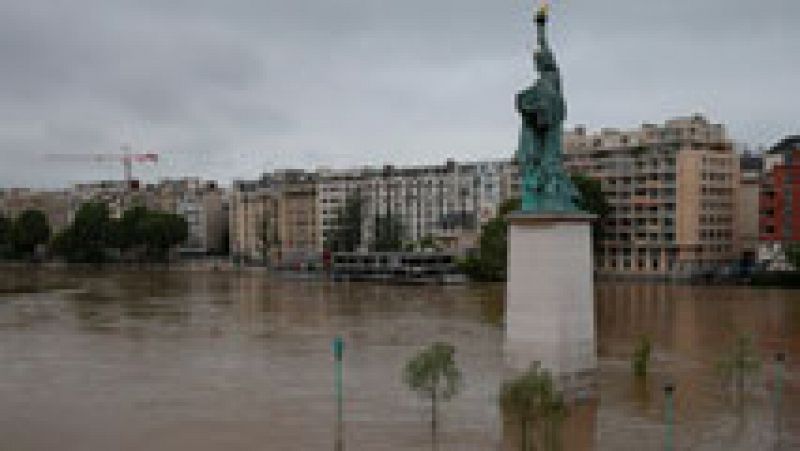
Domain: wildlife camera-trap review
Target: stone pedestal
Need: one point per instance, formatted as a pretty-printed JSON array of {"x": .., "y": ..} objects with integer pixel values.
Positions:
[{"x": 550, "y": 293}]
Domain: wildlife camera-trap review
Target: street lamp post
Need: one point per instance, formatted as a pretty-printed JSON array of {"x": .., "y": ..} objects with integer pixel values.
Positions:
[
  {"x": 669, "y": 416},
  {"x": 780, "y": 358},
  {"x": 338, "y": 351}
]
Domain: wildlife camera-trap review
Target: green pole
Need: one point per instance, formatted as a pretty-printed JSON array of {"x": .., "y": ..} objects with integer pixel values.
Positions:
[
  {"x": 338, "y": 350},
  {"x": 780, "y": 358},
  {"x": 669, "y": 417}
]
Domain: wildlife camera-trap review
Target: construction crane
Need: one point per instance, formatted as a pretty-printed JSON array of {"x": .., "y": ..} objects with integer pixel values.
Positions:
[{"x": 126, "y": 157}]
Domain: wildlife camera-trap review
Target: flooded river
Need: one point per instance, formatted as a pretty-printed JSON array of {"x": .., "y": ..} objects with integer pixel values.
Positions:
[{"x": 191, "y": 361}]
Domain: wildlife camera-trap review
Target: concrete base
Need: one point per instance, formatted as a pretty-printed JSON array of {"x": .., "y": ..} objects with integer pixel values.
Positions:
[{"x": 550, "y": 293}]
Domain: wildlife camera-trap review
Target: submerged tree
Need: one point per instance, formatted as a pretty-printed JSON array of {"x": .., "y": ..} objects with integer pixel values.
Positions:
[
  {"x": 739, "y": 363},
  {"x": 533, "y": 401},
  {"x": 434, "y": 375},
  {"x": 641, "y": 357}
]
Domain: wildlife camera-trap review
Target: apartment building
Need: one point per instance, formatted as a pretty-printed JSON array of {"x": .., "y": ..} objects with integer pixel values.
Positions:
[
  {"x": 779, "y": 203},
  {"x": 445, "y": 202},
  {"x": 253, "y": 219},
  {"x": 751, "y": 168},
  {"x": 54, "y": 204},
  {"x": 298, "y": 230},
  {"x": 673, "y": 190},
  {"x": 205, "y": 208}
]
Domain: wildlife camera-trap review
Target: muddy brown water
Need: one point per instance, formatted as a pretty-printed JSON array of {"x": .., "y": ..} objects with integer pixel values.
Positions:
[{"x": 242, "y": 361}]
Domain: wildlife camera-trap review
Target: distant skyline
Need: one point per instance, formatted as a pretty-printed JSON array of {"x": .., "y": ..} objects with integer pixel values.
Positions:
[{"x": 230, "y": 89}]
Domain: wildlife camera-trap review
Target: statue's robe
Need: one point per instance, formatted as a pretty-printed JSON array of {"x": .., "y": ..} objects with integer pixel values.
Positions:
[{"x": 545, "y": 186}]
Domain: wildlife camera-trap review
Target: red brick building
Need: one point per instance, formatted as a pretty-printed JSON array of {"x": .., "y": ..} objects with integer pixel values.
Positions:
[{"x": 779, "y": 201}]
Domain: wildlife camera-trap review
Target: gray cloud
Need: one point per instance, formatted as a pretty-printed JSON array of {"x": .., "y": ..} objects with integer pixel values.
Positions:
[{"x": 228, "y": 89}]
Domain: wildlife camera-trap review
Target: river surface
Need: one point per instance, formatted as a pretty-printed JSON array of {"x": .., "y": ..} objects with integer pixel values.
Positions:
[{"x": 226, "y": 361}]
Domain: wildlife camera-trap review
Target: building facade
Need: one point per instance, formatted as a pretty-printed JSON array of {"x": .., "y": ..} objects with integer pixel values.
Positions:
[
  {"x": 673, "y": 191},
  {"x": 751, "y": 168},
  {"x": 445, "y": 203},
  {"x": 54, "y": 204},
  {"x": 253, "y": 223},
  {"x": 298, "y": 231},
  {"x": 779, "y": 203}
]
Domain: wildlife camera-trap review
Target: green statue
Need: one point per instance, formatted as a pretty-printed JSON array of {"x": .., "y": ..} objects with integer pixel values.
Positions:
[{"x": 546, "y": 188}]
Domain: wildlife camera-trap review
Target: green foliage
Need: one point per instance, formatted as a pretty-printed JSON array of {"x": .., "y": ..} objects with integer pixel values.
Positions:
[
  {"x": 86, "y": 239},
  {"x": 591, "y": 198},
  {"x": 346, "y": 235},
  {"x": 490, "y": 264},
  {"x": 434, "y": 375},
  {"x": 428, "y": 242},
  {"x": 92, "y": 232},
  {"x": 641, "y": 357},
  {"x": 128, "y": 231},
  {"x": 533, "y": 401},
  {"x": 739, "y": 363},
  {"x": 388, "y": 234},
  {"x": 163, "y": 231},
  {"x": 793, "y": 255},
  {"x": 29, "y": 230},
  {"x": 6, "y": 226}
]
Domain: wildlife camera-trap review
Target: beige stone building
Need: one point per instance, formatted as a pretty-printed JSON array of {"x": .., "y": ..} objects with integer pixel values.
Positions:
[
  {"x": 253, "y": 215},
  {"x": 673, "y": 190},
  {"x": 274, "y": 219},
  {"x": 298, "y": 231},
  {"x": 748, "y": 206},
  {"x": 54, "y": 204}
]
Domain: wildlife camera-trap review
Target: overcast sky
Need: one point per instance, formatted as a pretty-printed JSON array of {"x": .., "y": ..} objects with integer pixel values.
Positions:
[{"x": 228, "y": 89}]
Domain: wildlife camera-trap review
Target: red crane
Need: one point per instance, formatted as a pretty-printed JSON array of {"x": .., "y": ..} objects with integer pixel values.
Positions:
[{"x": 126, "y": 157}]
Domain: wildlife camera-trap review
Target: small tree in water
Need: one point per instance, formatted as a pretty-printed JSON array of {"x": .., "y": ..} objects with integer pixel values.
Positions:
[
  {"x": 739, "y": 363},
  {"x": 641, "y": 357},
  {"x": 533, "y": 401},
  {"x": 433, "y": 374}
]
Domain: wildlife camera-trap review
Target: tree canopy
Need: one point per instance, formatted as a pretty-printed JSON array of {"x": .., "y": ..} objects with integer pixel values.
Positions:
[
  {"x": 433, "y": 374},
  {"x": 29, "y": 230},
  {"x": 345, "y": 236},
  {"x": 6, "y": 226},
  {"x": 88, "y": 237},
  {"x": 533, "y": 401},
  {"x": 150, "y": 234}
]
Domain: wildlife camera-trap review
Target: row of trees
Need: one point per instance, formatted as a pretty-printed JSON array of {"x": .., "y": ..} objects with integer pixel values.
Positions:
[
  {"x": 531, "y": 399},
  {"x": 20, "y": 237},
  {"x": 140, "y": 234},
  {"x": 490, "y": 262}
]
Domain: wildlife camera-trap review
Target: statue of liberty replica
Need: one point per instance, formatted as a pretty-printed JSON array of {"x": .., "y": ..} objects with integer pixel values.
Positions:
[
  {"x": 545, "y": 185},
  {"x": 550, "y": 308}
]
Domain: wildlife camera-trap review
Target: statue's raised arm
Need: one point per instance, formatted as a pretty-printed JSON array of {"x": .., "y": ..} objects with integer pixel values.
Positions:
[
  {"x": 541, "y": 24},
  {"x": 543, "y": 56}
]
